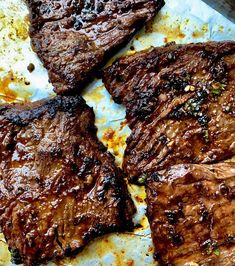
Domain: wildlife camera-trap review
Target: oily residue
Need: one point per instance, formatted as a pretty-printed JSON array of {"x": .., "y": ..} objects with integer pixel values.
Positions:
[
  {"x": 175, "y": 28},
  {"x": 10, "y": 95},
  {"x": 220, "y": 28},
  {"x": 5, "y": 90},
  {"x": 110, "y": 249},
  {"x": 139, "y": 199},
  {"x": 100, "y": 248},
  {"x": 109, "y": 135},
  {"x": 21, "y": 28},
  {"x": 101, "y": 120},
  {"x": 172, "y": 31},
  {"x": 202, "y": 32},
  {"x": 123, "y": 124},
  {"x": 144, "y": 223},
  {"x": 113, "y": 141},
  {"x": 4, "y": 253},
  {"x": 130, "y": 263},
  {"x": 94, "y": 96}
]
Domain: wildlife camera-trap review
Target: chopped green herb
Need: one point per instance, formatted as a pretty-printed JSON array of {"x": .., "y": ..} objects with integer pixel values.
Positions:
[
  {"x": 210, "y": 247},
  {"x": 217, "y": 88},
  {"x": 188, "y": 77},
  {"x": 223, "y": 86},
  {"x": 216, "y": 92},
  {"x": 206, "y": 135},
  {"x": 227, "y": 108},
  {"x": 216, "y": 252},
  {"x": 218, "y": 85},
  {"x": 141, "y": 180}
]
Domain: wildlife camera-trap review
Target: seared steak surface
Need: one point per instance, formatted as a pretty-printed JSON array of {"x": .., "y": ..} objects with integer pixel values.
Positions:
[
  {"x": 73, "y": 37},
  {"x": 59, "y": 187},
  {"x": 180, "y": 102},
  {"x": 191, "y": 210}
]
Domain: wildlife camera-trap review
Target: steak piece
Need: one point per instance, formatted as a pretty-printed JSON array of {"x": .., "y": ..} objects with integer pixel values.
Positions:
[
  {"x": 191, "y": 210},
  {"x": 74, "y": 37},
  {"x": 180, "y": 102},
  {"x": 59, "y": 187}
]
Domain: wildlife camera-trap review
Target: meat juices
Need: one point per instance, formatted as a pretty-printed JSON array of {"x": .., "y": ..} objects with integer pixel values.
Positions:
[
  {"x": 191, "y": 210},
  {"x": 74, "y": 38},
  {"x": 180, "y": 104},
  {"x": 59, "y": 187}
]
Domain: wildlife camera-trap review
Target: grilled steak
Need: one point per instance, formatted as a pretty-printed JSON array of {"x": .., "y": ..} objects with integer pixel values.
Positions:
[
  {"x": 180, "y": 102},
  {"x": 191, "y": 210},
  {"x": 73, "y": 38},
  {"x": 59, "y": 187}
]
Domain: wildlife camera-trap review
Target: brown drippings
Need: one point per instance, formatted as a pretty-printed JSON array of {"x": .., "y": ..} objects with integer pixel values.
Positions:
[
  {"x": 139, "y": 199},
  {"x": 113, "y": 141},
  {"x": 31, "y": 67},
  {"x": 130, "y": 263},
  {"x": 123, "y": 124},
  {"x": 109, "y": 135}
]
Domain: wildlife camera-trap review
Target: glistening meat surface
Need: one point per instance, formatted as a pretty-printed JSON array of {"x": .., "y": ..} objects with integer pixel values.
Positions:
[
  {"x": 59, "y": 187},
  {"x": 180, "y": 102},
  {"x": 74, "y": 38},
  {"x": 191, "y": 211}
]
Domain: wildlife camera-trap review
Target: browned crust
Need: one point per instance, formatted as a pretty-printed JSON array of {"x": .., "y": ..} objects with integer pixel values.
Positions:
[
  {"x": 191, "y": 210},
  {"x": 74, "y": 38},
  {"x": 59, "y": 187},
  {"x": 180, "y": 104}
]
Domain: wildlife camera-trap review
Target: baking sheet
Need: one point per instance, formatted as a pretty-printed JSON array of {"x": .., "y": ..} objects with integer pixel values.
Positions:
[{"x": 182, "y": 21}]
